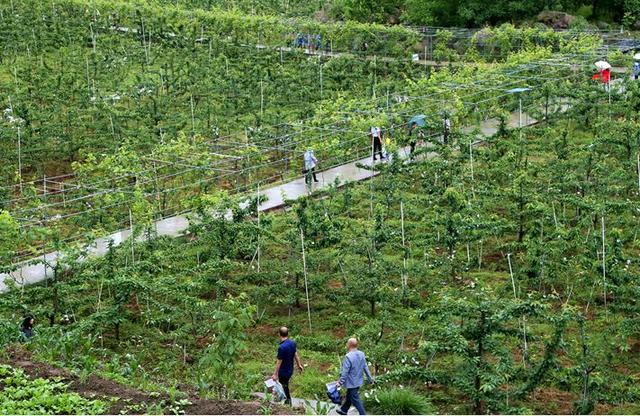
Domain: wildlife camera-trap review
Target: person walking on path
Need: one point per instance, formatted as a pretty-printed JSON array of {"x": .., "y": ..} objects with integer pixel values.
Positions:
[
  {"x": 446, "y": 125},
  {"x": 287, "y": 354},
  {"x": 354, "y": 366},
  {"x": 635, "y": 69},
  {"x": 376, "y": 138},
  {"x": 414, "y": 135},
  {"x": 310, "y": 163}
]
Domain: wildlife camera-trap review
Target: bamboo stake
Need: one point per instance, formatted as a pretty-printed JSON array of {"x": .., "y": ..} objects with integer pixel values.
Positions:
[
  {"x": 604, "y": 265},
  {"x": 258, "y": 213},
  {"x": 133, "y": 254},
  {"x": 638, "y": 171},
  {"x": 304, "y": 269},
  {"x": 404, "y": 255},
  {"x": 20, "y": 160}
]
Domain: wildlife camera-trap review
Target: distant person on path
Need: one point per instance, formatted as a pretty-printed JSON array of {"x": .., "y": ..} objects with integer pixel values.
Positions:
[
  {"x": 310, "y": 163},
  {"x": 354, "y": 367},
  {"x": 376, "y": 139},
  {"x": 414, "y": 134},
  {"x": 604, "y": 76},
  {"x": 287, "y": 354},
  {"x": 386, "y": 148},
  {"x": 635, "y": 69},
  {"x": 311, "y": 41},
  {"x": 26, "y": 329},
  {"x": 446, "y": 125}
]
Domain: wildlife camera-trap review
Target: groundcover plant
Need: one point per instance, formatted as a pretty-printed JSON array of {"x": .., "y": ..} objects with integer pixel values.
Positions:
[{"x": 494, "y": 272}]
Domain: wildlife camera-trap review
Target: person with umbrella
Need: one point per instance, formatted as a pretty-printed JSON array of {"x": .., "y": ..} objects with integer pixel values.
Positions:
[
  {"x": 604, "y": 73},
  {"x": 415, "y": 133}
]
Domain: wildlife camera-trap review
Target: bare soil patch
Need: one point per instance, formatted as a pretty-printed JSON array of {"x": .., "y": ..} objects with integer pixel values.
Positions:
[{"x": 130, "y": 399}]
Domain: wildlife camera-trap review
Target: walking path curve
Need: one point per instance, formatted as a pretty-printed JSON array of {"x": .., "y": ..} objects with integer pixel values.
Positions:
[{"x": 40, "y": 269}]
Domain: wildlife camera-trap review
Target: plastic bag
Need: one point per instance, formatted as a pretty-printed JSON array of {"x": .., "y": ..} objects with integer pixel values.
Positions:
[
  {"x": 276, "y": 389},
  {"x": 278, "y": 392},
  {"x": 333, "y": 393}
]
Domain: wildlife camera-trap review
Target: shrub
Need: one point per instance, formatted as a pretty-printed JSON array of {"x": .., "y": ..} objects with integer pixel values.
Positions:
[{"x": 398, "y": 402}]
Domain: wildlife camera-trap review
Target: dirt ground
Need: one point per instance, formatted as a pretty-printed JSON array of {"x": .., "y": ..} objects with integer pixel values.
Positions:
[{"x": 130, "y": 400}]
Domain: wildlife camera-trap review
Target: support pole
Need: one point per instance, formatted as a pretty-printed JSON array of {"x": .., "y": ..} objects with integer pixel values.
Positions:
[
  {"x": 404, "y": 252},
  {"x": 20, "y": 160},
  {"x": 604, "y": 265},
  {"x": 304, "y": 269},
  {"x": 638, "y": 157},
  {"x": 131, "y": 237},
  {"x": 258, "y": 214}
]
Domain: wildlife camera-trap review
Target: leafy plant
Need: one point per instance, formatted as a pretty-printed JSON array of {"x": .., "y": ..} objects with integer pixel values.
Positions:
[{"x": 397, "y": 401}]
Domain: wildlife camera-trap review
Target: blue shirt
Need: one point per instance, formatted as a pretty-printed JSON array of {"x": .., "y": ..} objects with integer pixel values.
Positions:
[
  {"x": 354, "y": 366},
  {"x": 286, "y": 353}
]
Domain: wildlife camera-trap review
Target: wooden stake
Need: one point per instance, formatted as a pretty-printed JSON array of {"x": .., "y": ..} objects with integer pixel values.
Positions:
[
  {"x": 258, "y": 213},
  {"x": 404, "y": 255},
  {"x": 306, "y": 284},
  {"x": 604, "y": 265}
]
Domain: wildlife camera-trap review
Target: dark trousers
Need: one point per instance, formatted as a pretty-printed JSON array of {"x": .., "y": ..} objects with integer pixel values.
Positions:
[
  {"x": 285, "y": 386},
  {"x": 353, "y": 399},
  {"x": 309, "y": 174},
  {"x": 413, "y": 146},
  {"x": 377, "y": 147}
]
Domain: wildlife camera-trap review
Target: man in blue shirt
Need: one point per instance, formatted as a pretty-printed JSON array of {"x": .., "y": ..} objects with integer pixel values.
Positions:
[
  {"x": 287, "y": 353},
  {"x": 354, "y": 366}
]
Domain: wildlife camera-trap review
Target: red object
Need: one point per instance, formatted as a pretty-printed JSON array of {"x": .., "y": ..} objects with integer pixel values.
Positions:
[{"x": 604, "y": 76}]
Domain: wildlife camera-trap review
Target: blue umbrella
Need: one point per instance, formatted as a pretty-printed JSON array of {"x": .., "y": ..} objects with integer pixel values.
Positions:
[{"x": 419, "y": 120}]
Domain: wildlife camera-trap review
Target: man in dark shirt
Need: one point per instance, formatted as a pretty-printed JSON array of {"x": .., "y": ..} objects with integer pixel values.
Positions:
[{"x": 287, "y": 353}]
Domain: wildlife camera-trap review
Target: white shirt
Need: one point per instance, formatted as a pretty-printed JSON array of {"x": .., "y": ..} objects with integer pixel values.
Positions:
[{"x": 375, "y": 131}]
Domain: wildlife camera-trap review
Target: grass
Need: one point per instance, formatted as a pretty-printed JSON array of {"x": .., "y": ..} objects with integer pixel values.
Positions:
[{"x": 398, "y": 402}]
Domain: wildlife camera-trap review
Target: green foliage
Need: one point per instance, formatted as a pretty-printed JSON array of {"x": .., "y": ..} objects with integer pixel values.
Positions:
[
  {"x": 22, "y": 396},
  {"x": 219, "y": 361},
  {"x": 9, "y": 231},
  {"x": 398, "y": 402}
]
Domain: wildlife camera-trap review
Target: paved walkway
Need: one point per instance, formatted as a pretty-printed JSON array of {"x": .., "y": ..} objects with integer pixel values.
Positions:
[
  {"x": 313, "y": 407},
  {"x": 174, "y": 226}
]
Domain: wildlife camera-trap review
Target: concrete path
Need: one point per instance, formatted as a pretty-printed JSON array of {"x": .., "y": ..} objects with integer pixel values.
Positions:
[
  {"x": 313, "y": 407},
  {"x": 41, "y": 268}
]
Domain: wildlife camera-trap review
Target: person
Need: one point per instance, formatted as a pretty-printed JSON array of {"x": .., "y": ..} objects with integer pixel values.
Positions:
[
  {"x": 354, "y": 366},
  {"x": 446, "y": 124},
  {"x": 376, "y": 137},
  {"x": 414, "y": 135},
  {"x": 311, "y": 41},
  {"x": 636, "y": 70},
  {"x": 26, "y": 329},
  {"x": 310, "y": 163},
  {"x": 386, "y": 147},
  {"x": 287, "y": 353},
  {"x": 604, "y": 76}
]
